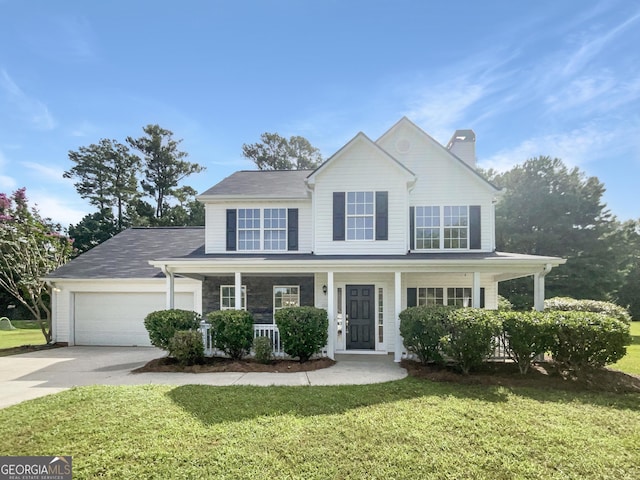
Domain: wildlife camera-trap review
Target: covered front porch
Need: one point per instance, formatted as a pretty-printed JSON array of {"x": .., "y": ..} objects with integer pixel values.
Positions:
[{"x": 363, "y": 295}]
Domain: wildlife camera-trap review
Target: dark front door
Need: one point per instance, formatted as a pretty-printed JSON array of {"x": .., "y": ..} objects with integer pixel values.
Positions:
[{"x": 361, "y": 317}]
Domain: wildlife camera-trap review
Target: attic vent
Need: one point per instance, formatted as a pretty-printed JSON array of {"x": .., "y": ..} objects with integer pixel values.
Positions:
[{"x": 403, "y": 145}]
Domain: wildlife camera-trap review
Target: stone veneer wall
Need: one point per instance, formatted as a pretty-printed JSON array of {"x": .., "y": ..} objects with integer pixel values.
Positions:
[{"x": 259, "y": 293}]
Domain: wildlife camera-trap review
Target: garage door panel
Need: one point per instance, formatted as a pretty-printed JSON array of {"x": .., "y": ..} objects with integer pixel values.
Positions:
[{"x": 117, "y": 319}]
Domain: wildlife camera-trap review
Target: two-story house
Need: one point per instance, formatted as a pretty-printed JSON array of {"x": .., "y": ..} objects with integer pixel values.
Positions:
[{"x": 380, "y": 226}]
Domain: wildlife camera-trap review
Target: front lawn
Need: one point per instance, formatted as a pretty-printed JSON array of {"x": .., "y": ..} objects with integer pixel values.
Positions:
[
  {"x": 20, "y": 336},
  {"x": 407, "y": 429},
  {"x": 631, "y": 361}
]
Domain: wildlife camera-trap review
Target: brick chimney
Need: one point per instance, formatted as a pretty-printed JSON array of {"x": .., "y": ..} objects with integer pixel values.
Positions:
[{"x": 463, "y": 146}]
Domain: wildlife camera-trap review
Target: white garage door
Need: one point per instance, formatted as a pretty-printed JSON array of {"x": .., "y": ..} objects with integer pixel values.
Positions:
[{"x": 117, "y": 319}]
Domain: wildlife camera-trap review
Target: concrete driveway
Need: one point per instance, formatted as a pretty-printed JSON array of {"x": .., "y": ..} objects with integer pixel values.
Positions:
[{"x": 35, "y": 374}]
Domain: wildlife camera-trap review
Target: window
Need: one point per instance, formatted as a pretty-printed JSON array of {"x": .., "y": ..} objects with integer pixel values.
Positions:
[
  {"x": 249, "y": 229},
  {"x": 427, "y": 227},
  {"x": 285, "y": 296},
  {"x": 360, "y": 215},
  {"x": 275, "y": 228},
  {"x": 442, "y": 228},
  {"x": 456, "y": 227},
  {"x": 228, "y": 297},
  {"x": 380, "y": 315},
  {"x": 459, "y": 297},
  {"x": 430, "y": 296}
]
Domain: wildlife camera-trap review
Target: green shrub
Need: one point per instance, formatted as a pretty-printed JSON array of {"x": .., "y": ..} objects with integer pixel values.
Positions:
[
  {"x": 567, "y": 304},
  {"x": 232, "y": 331},
  {"x": 527, "y": 335},
  {"x": 186, "y": 346},
  {"x": 303, "y": 330},
  {"x": 422, "y": 328},
  {"x": 470, "y": 336},
  {"x": 263, "y": 349},
  {"x": 587, "y": 339},
  {"x": 504, "y": 304},
  {"x": 163, "y": 324}
]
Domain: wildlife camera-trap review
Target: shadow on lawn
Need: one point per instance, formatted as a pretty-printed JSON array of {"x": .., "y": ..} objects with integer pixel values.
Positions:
[{"x": 212, "y": 405}]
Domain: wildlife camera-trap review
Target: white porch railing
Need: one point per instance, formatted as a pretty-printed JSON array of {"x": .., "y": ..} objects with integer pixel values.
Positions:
[{"x": 259, "y": 330}]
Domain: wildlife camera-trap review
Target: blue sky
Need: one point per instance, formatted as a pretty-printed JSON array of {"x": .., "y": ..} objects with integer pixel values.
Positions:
[{"x": 549, "y": 77}]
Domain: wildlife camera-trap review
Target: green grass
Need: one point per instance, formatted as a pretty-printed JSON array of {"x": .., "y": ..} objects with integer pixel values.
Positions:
[
  {"x": 406, "y": 429},
  {"x": 20, "y": 336},
  {"x": 631, "y": 361}
]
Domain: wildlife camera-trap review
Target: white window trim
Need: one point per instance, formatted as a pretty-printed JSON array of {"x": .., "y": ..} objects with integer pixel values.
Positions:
[
  {"x": 346, "y": 217},
  {"x": 445, "y": 294},
  {"x": 244, "y": 294},
  {"x": 441, "y": 229},
  {"x": 274, "y": 298},
  {"x": 262, "y": 230}
]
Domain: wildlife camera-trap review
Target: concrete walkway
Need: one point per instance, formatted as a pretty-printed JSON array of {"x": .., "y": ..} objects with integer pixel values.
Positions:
[{"x": 35, "y": 374}]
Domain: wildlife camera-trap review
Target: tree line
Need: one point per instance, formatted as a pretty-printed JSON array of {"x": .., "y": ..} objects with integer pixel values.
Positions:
[{"x": 546, "y": 209}]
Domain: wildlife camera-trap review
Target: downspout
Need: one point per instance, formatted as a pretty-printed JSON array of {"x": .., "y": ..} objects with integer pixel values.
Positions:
[{"x": 170, "y": 304}]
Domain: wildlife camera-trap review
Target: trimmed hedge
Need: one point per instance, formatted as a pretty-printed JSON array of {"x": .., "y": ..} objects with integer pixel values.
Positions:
[
  {"x": 186, "y": 347},
  {"x": 567, "y": 304},
  {"x": 303, "y": 330},
  {"x": 422, "y": 328},
  {"x": 263, "y": 349},
  {"x": 587, "y": 339},
  {"x": 527, "y": 335},
  {"x": 470, "y": 336},
  {"x": 162, "y": 325},
  {"x": 232, "y": 331}
]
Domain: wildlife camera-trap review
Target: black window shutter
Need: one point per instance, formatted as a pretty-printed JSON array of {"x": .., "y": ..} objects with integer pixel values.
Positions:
[
  {"x": 475, "y": 240},
  {"x": 412, "y": 297},
  {"x": 481, "y": 297},
  {"x": 292, "y": 229},
  {"x": 231, "y": 229},
  {"x": 412, "y": 228},
  {"x": 338, "y": 215},
  {"x": 382, "y": 216}
]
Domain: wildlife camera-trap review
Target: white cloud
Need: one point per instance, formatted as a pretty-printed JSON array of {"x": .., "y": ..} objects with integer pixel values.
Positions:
[
  {"x": 28, "y": 108},
  {"x": 49, "y": 173},
  {"x": 56, "y": 207},
  {"x": 576, "y": 148},
  {"x": 6, "y": 182}
]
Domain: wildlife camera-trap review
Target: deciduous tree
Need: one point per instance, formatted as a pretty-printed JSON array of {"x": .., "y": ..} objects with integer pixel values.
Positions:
[{"x": 31, "y": 247}]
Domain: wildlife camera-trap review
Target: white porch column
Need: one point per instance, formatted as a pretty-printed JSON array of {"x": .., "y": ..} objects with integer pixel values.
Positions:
[
  {"x": 475, "y": 293},
  {"x": 171, "y": 296},
  {"x": 238, "y": 289},
  {"x": 331, "y": 308},
  {"x": 538, "y": 288},
  {"x": 396, "y": 313}
]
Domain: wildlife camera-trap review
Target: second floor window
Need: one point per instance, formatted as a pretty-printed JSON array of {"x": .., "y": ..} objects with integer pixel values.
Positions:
[
  {"x": 249, "y": 229},
  {"x": 275, "y": 229},
  {"x": 360, "y": 215},
  {"x": 441, "y": 227}
]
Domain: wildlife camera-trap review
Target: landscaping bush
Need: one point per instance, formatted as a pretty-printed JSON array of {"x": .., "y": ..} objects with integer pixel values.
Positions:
[
  {"x": 422, "y": 328},
  {"x": 162, "y": 325},
  {"x": 567, "y": 304},
  {"x": 587, "y": 339},
  {"x": 263, "y": 349},
  {"x": 186, "y": 347},
  {"x": 232, "y": 331},
  {"x": 470, "y": 336},
  {"x": 527, "y": 335},
  {"x": 504, "y": 304},
  {"x": 303, "y": 330}
]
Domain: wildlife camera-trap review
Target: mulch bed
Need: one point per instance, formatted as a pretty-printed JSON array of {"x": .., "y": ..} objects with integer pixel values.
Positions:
[
  {"x": 541, "y": 375},
  {"x": 220, "y": 364}
]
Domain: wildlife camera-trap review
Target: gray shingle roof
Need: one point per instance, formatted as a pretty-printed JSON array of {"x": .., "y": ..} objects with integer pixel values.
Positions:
[
  {"x": 264, "y": 183},
  {"x": 127, "y": 254}
]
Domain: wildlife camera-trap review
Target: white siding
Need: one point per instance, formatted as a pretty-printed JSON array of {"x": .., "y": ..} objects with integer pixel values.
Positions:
[
  {"x": 361, "y": 167},
  {"x": 216, "y": 222},
  {"x": 441, "y": 179}
]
